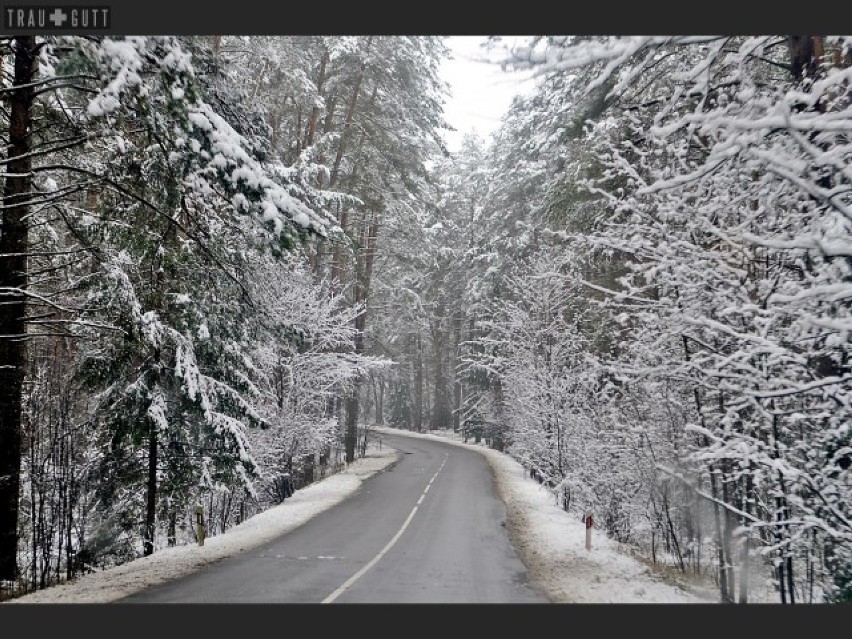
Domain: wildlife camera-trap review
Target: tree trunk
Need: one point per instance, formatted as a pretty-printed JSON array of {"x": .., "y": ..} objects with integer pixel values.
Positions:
[
  {"x": 315, "y": 111},
  {"x": 417, "y": 417},
  {"x": 744, "y": 552},
  {"x": 723, "y": 577},
  {"x": 726, "y": 536},
  {"x": 33, "y": 514},
  {"x": 723, "y": 580},
  {"x": 802, "y": 58},
  {"x": 328, "y": 121},
  {"x": 347, "y": 123},
  {"x": 440, "y": 417},
  {"x": 653, "y": 545},
  {"x": 672, "y": 532},
  {"x": 377, "y": 402},
  {"x": 698, "y": 534},
  {"x": 351, "y": 431},
  {"x": 361, "y": 290},
  {"x": 13, "y": 281},
  {"x": 69, "y": 548},
  {"x": 151, "y": 491},
  {"x": 171, "y": 535},
  {"x": 458, "y": 323},
  {"x": 343, "y": 221},
  {"x": 351, "y": 402},
  {"x": 337, "y": 255},
  {"x": 783, "y": 514}
]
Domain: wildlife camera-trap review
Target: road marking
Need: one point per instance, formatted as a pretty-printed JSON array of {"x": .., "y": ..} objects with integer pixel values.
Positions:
[{"x": 389, "y": 545}]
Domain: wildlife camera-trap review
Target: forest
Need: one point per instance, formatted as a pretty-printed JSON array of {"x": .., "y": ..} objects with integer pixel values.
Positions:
[{"x": 224, "y": 260}]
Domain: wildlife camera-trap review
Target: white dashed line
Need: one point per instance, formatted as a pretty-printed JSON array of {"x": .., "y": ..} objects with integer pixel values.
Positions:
[{"x": 389, "y": 545}]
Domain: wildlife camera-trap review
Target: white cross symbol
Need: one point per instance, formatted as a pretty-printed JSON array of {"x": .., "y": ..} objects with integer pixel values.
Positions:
[{"x": 58, "y": 17}]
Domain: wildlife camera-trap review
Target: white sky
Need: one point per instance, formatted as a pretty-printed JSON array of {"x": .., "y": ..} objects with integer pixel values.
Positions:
[{"x": 480, "y": 92}]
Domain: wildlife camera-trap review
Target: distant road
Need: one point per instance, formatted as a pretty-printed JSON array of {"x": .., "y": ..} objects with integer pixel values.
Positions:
[{"x": 427, "y": 530}]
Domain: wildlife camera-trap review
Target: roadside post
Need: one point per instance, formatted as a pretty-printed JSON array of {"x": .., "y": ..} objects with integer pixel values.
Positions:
[
  {"x": 199, "y": 524},
  {"x": 587, "y": 518},
  {"x": 288, "y": 486}
]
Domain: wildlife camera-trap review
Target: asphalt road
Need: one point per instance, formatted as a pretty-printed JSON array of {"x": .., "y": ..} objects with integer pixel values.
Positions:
[{"x": 429, "y": 529}]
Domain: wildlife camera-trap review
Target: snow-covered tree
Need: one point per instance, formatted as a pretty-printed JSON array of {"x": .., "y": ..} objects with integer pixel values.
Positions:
[
  {"x": 135, "y": 186},
  {"x": 731, "y": 158}
]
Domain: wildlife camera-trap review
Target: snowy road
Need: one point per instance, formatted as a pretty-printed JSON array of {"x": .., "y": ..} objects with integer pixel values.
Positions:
[{"x": 429, "y": 529}]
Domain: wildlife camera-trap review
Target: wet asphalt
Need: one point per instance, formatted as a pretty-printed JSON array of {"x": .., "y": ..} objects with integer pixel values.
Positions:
[{"x": 371, "y": 549}]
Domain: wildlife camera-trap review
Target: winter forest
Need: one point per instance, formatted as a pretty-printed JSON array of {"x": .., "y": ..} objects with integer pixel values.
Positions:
[{"x": 224, "y": 259}]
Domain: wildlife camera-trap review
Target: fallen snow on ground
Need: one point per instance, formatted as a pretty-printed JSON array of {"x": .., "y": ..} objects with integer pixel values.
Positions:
[
  {"x": 551, "y": 543},
  {"x": 171, "y": 563}
]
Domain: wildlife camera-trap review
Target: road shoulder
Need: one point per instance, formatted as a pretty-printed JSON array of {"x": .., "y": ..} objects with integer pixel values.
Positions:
[{"x": 551, "y": 544}]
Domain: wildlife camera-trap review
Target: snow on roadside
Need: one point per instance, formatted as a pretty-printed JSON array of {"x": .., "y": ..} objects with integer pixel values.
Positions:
[
  {"x": 171, "y": 563},
  {"x": 551, "y": 543}
]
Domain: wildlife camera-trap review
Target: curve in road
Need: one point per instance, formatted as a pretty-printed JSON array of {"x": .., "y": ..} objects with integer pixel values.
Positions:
[{"x": 429, "y": 529}]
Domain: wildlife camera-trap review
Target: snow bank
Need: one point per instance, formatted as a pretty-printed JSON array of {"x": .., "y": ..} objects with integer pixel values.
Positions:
[
  {"x": 171, "y": 563},
  {"x": 551, "y": 543}
]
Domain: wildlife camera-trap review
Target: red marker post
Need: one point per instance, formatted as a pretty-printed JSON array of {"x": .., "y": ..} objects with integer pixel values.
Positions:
[{"x": 587, "y": 519}]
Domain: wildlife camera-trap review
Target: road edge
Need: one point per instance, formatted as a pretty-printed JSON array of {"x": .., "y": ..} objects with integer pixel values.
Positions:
[{"x": 515, "y": 519}]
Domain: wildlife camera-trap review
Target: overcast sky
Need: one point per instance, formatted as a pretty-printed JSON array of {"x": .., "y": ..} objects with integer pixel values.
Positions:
[{"x": 480, "y": 91}]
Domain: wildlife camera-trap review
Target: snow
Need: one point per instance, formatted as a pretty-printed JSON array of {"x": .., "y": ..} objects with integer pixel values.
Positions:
[
  {"x": 229, "y": 155},
  {"x": 200, "y": 121},
  {"x": 171, "y": 563},
  {"x": 125, "y": 59},
  {"x": 551, "y": 543},
  {"x": 157, "y": 412}
]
